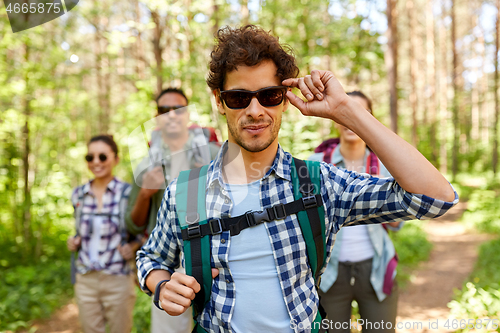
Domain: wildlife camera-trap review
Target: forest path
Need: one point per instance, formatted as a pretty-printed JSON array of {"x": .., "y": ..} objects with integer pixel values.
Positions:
[{"x": 423, "y": 303}]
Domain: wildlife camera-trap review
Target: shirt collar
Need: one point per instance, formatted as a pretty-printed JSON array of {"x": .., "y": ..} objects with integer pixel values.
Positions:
[
  {"x": 281, "y": 166},
  {"x": 112, "y": 185},
  {"x": 338, "y": 159}
]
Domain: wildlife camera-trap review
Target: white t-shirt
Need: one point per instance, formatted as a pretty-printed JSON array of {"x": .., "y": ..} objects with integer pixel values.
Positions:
[
  {"x": 259, "y": 302},
  {"x": 95, "y": 239},
  {"x": 356, "y": 244}
]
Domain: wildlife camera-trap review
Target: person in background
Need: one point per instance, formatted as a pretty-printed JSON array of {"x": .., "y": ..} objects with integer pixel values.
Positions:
[
  {"x": 104, "y": 287},
  {"x": 362, "y": 265},
  {"x": 174, "y": 147}
]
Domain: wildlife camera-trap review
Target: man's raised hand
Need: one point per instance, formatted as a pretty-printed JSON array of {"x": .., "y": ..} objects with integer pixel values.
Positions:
[{"x": 324, "y": 95}]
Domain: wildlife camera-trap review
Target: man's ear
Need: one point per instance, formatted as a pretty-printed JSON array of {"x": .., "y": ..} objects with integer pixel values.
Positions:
[{"x": 218, "y": 101}]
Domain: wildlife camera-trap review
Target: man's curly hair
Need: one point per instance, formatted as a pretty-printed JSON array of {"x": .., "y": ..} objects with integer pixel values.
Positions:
[{"x": 248, "y": 46}]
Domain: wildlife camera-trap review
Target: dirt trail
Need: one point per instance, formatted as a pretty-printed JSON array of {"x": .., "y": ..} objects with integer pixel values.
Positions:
[
  {"x": 64, "y": 320},
  {"x": 424, "y": 301}
]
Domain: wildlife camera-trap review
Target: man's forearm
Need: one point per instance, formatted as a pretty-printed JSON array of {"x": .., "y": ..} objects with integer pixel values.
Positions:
[
  {"x": 407, "y": 165},
  {"x": 140, "y": 212}
]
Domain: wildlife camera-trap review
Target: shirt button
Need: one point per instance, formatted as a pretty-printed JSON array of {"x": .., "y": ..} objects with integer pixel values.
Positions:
[
  {"x": 226, "y": 201},
  {"x": 227, "y": 281},
  {"x": 223, "y": 241}
]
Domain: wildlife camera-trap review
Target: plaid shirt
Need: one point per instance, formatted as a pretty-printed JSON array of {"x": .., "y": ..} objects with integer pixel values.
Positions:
[
  {"x": 110, "y": 259},
  {"x": 349, "y": 198}
]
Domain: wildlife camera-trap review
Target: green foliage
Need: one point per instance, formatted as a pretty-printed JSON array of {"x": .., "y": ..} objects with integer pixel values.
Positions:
[
  {"x": 28, "y": 292},
  {"x": 476, "y": 303},
  {"x": 483, "y": 211},
  {"x": 142, "y": 313},
  {"x": 480, "y": 297},
  {"x": 412, "y": 248}
]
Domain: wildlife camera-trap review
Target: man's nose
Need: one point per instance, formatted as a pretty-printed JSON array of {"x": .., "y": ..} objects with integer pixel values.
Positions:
[{"x": 255, "y": 109}]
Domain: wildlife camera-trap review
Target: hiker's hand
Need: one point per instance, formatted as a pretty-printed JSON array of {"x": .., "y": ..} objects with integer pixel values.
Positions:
[
  {"x": 176, "y": 295},
  {"x": 324, "y": 93},
  {"x": 153, "y": 180},
  {"x": 74, "y": 243},
  {"x": 126, "y": 251}
]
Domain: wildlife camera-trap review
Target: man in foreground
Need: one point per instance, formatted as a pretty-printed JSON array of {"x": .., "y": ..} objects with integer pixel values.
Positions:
[{"x": 262, "y": 279}]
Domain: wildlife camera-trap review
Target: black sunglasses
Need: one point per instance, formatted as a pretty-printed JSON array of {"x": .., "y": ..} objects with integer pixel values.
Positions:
[
  {"x": 179, "y": 109},
  {"x": 240, "y": 99},
  {"x": 90, "y": 157}
]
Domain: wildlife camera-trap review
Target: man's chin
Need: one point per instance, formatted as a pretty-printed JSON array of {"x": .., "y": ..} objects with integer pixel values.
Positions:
[{"x": 255, "y": 147}]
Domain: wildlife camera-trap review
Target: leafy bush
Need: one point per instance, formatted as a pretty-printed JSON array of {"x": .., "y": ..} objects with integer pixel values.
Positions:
[
  {"x": 412, "y": 247},
  {"x": 480, "y": 299},
  {"x": 142, "y": 313},
  {"x": 476, "y": 303},
  {"x": 483, "y": 211},
  {"x": 29, "y": 292}
]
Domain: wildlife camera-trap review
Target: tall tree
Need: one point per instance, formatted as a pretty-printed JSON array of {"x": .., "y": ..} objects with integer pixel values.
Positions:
[
  {"x": 497, "y": 106},
  {"x": 158, "y": 48},
  {"x": 443, "y": 90},
  {"x": 431, "y": 80},
  {"x": 410, "y": 9},
  {"x": 245, "y": 13},
  {"x": 391, "y": 58},
  {"x": 27, "y": 151},
  {"x": 456, "y": 92}
]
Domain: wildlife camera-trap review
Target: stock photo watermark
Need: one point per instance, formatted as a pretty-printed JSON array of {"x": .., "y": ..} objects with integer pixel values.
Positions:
[
  {"x": 26, "y": 14},
  {"x": 431, "y": 324}
]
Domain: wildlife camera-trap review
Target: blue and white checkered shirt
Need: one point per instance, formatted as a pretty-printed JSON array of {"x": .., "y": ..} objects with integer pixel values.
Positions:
[{"x": 348, "y": 198}]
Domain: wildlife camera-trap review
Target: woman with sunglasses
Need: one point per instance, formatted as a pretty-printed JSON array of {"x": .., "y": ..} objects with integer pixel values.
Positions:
[
  {"x": 363, "y": 261},
  {"x": 104, "y": 287}
]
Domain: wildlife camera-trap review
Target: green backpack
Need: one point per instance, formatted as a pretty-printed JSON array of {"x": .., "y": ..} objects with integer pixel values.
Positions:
[{"x": 191, "y": 211}]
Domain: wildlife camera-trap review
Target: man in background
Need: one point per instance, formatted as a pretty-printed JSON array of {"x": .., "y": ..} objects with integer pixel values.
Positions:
[{"x": 174, "y": 147}]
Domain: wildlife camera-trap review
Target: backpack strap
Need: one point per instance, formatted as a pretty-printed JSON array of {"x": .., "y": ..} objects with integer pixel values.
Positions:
[
  {"x": 79, "y": 208},
  {"x": 78, "y": 216},
  {"x": 190, "y": 200},
  {"x": 191, "y": 211},
  {"x": 306, "y": 180},
  {"x": 123, "y": 209},
  {"x": 327, "y": 147},
  {"x": 373, "y": 164}
]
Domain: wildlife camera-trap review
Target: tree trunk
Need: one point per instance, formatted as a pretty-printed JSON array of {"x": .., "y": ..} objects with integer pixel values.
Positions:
[
  {"x": 158, "y": 50},
  {"x": 215, "y": 16},
  {"x": 495, "y": 122},
  {"x": 410, "y": 9},
  {"x": 456, "y": 92},
  {"x": 443, "y": 94},
  {"x": 245, "y": 13},
  {"x": 26, "y": 160},
  {"x": 483, "y": 92},
  {"x": 391, "y": 58},
  {"x": 431, "y": 81},
  {"x": 139, "y": 51}
]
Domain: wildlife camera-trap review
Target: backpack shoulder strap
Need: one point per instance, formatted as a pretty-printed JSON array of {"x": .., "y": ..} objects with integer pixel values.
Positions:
[
  {"x": 123, "y": 209},
  {"x": 190, "y": 201},
  {"x": 79, "y": 207},
  {"x": 306, "y": 180},
  {"x": 373, "y": 164}
]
